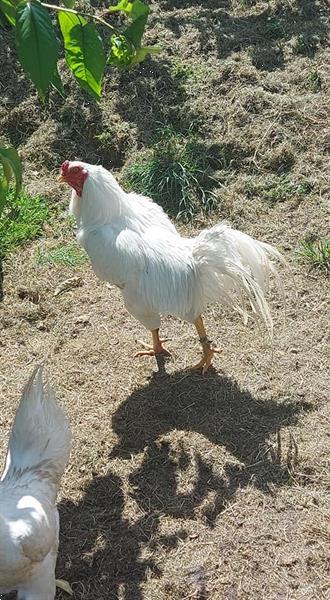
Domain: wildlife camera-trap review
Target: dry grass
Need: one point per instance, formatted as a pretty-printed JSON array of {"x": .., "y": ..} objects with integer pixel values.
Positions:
[{"x": 182, "y": 486}]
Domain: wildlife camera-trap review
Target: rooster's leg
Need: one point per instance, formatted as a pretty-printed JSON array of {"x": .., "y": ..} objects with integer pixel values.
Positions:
[
  {"x": 208, "y": 349},
  {"x": 156, "y": 348}
]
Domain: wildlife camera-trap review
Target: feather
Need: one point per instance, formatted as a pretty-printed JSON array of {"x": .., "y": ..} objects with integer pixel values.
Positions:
[
  {"x": 233, "y": 265},
  {"x": 40, "y": 438}
]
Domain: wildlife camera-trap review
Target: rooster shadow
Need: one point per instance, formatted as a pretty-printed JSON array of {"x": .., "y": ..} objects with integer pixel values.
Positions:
[
  {"x": 100, "y": 547},
  {"x": 99, "y": 550},
  {"x": 215, "y": 407}
]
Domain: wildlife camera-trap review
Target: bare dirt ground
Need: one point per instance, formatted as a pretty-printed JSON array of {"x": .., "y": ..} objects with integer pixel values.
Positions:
[{"x": 188, "y": 486}]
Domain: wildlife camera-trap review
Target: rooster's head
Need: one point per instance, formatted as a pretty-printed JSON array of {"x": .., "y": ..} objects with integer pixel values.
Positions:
[{"x": 75, "y": 174}]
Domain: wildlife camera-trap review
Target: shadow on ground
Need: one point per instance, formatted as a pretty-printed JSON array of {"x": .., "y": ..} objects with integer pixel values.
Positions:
[
  {"x": 155, "y": 97},
  {"x": 164, "y": 101},
  {"x": 262, "y": 33},
  {"x": 100, "y": 548}
]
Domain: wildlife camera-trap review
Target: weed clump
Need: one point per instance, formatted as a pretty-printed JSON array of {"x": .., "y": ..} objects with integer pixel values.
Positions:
[
  {"x": 314, "y": 81},
  {"x": 316, "y": 252},
  {"x": 278, "y": 189},
  {"x": 177, "y": 174}
]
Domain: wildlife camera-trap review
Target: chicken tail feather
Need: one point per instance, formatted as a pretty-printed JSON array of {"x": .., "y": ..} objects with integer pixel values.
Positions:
[
  {"x": 234, "y": 267},
  {"x": 41, "y": 437}
]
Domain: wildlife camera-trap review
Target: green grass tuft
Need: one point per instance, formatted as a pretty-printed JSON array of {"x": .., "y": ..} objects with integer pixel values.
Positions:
[
  {"x": 305, "y": 45},
  {"x": 277, "y": 189},
  {"x": 183, "y": 72},
  {"x": 66, "y": 255},
  {"x": 21, "y": 220},
  {"x": 177, "y": 174},
  {"x": 316, "y": 251},
  {"x": 314, "y": 81},
  {"x": 189, "y": 72}
]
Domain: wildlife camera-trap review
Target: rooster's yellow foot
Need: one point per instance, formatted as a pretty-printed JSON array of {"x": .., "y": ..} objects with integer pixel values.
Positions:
[
  {"x": 204, "y": 364},
  {"x": 157, "y": 348}
]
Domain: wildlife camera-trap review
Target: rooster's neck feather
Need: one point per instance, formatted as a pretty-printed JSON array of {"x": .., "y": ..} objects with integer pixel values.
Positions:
[{"x": 102, "y": 200}]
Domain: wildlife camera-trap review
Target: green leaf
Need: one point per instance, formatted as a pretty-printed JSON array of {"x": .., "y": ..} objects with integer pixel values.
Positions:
[
  {"x": 124, "y": 51},
  {"x": 142, "y": 53},
  {"x": 121, "y": 52},
  {"x": 123, "y": 5},
  {"x": 68, "y": 3},
  {"x": 136, "y": 30},
  {"x": 3, "y": 192},
  {"x": 139, "y": 9},
  {"x": 11, "y": 166},
  {"x": 8, "y": 9},
  {"x": 56, "y": 82},
  {"x": 36, "y": 43},
  {"x": 83, "y": 51},
  {"x": 133, "y": 9},
  {"x": 11, "y": 163}
]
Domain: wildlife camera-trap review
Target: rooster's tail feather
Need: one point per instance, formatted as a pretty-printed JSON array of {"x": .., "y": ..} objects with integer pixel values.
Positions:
[
  {"x": 41, "y": 437},
  {"x": 233, "y": 265}
]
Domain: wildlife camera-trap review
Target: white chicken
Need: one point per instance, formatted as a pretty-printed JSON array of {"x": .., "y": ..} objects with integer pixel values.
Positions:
[
  {"x": 38, "y": 451},
  {"x": 132, "y": 243}
]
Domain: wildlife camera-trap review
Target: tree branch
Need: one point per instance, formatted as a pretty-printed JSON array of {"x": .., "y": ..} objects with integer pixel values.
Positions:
[{"x": 84, "y": 14}]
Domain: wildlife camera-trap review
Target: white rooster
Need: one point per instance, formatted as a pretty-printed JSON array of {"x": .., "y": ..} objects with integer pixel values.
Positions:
[
  {"x": 38, "y": 451},
  {"x": 132, "y": 243}
]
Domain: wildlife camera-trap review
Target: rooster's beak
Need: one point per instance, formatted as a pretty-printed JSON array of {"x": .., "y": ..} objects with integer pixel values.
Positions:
[{"x": 61, "y": 178}]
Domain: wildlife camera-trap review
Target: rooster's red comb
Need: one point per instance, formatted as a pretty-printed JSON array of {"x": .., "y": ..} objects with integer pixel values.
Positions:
[{"x": 64, "y": 167}]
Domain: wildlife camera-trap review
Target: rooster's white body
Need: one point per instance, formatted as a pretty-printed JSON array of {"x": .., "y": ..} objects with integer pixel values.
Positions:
[
  {"x": 38, "y": 450},
  {"x": 133, "y": 244}
]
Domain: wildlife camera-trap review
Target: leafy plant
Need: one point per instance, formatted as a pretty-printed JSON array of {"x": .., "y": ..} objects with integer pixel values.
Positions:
[
  {"x": 67, "y": 255},
  {"x": 10, "y": 168},
  {"x": 316, "y": 252},
  {"x": 176, "y": 173},
  {"x": 85, "y": 52}
]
